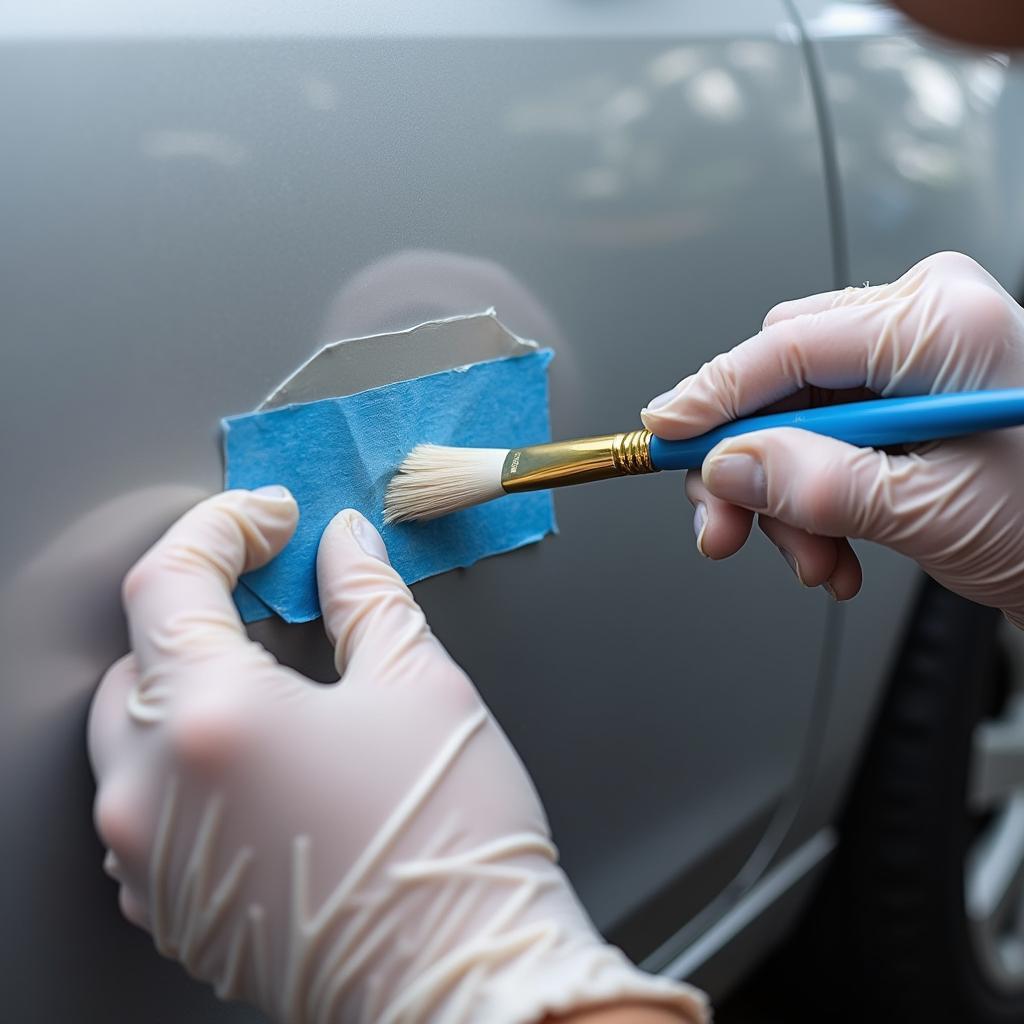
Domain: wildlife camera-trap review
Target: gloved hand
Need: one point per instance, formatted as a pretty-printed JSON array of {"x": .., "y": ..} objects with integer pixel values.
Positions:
[
  {"x": 957, "y": 507},
  {"x": 369, "y": 851}
]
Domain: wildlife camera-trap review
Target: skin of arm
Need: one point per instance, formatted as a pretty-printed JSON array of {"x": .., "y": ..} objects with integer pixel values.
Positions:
[{"x": 621, "y": 1013}]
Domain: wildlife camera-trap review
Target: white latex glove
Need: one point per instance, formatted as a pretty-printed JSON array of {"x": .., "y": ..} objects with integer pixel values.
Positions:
[
  {"x": 957, "y": 507},
  {"x": 371, "y": 851}
]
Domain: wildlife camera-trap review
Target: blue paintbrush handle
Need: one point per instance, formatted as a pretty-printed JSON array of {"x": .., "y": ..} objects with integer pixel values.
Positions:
[{"x": 873, "y": 424}]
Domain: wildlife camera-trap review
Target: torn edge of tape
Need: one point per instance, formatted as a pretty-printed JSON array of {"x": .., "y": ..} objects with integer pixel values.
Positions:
[{"x": 352, "y": 365}]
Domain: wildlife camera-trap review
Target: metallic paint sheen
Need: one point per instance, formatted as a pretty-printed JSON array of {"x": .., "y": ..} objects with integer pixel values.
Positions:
[{"x": 190, "y": 193}]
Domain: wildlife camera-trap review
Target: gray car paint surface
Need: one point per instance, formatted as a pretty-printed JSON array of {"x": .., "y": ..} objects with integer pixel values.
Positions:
[{"x": 196, "y": 198}]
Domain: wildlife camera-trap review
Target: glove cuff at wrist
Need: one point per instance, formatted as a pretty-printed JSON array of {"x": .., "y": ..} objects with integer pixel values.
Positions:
[{"x": 560, "y": 981}]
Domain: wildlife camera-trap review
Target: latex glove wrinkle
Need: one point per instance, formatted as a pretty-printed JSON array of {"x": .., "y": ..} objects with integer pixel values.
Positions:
[
  {"x": 954, "y": 506},
  {"x": 372, "y": 851}
]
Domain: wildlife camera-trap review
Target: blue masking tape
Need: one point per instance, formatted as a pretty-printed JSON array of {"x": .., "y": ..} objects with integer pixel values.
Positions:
[
  {"x": 249, "y": 606},
  {"x": 341, "y": 452}
]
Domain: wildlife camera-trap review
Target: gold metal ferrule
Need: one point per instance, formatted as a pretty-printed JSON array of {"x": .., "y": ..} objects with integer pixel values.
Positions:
[{"x": 539, "y": 466}]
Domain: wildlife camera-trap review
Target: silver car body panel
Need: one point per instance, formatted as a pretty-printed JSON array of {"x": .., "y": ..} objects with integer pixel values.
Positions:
[{"x": 198, "y": 197}]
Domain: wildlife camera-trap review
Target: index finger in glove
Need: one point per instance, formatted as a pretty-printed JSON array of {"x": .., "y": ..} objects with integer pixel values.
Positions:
[
  {"x": 831, "y": 349},
  {"x": 824, "y": 301},
  {"x": 178, "y": 595},
  {"x": 368, "y": 610},
  {"x": 945, "y": 325}
]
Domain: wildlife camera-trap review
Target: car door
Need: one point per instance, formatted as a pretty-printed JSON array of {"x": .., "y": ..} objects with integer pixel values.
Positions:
[{"x": 197, "y": 197}]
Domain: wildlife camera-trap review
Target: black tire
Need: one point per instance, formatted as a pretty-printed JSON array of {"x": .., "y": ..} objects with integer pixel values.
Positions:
[{"x": 891, "y": 925}]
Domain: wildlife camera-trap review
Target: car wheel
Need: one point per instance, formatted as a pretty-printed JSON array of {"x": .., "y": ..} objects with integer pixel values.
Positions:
[{"x": 926, "y": 901}]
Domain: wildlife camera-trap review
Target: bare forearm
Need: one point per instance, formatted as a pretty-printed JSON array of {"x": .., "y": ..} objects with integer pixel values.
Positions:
[{"x": 622, "y": 1013}]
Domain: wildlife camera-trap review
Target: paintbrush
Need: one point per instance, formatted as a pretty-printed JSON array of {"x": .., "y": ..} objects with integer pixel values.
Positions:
[{"x": 435, "y": 480}]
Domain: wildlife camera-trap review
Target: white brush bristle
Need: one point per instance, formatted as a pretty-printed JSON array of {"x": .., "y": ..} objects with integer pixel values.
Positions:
[{"x": 435, "y": 481}]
